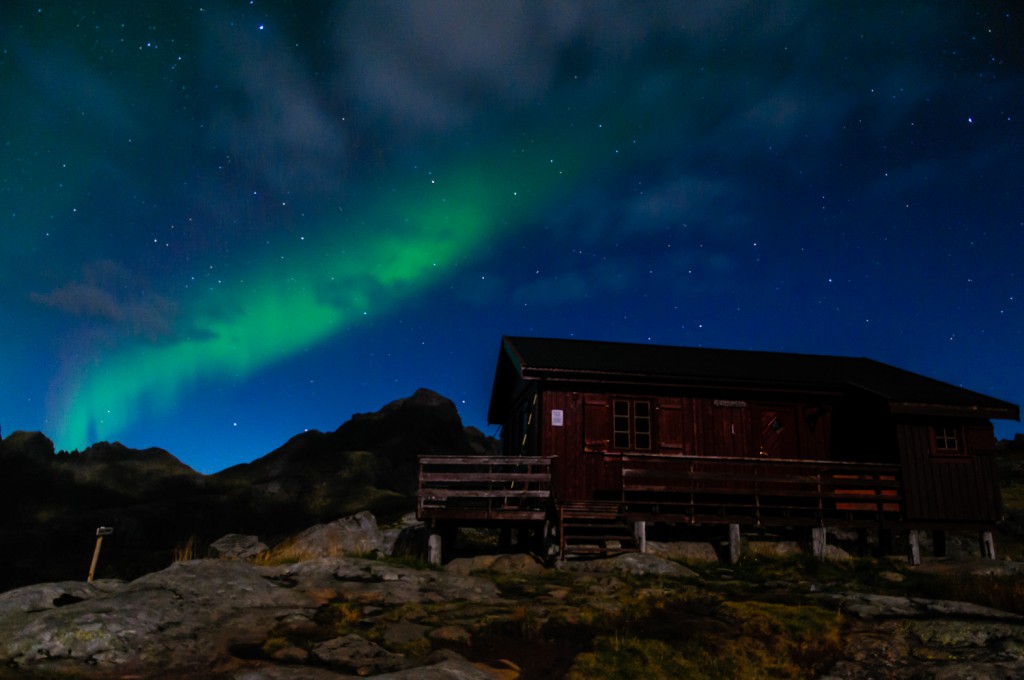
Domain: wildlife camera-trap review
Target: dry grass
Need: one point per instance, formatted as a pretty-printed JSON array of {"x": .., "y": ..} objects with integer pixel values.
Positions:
[{"x": 187, "y": 551}]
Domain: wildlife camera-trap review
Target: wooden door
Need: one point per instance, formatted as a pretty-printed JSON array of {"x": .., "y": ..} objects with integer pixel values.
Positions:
[{"x": 777, "y": 435}]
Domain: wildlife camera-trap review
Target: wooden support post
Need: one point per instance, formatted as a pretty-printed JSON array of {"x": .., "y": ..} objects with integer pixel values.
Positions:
[
  {"x": 988, "y": 546},
  {"x": 545, "y": 540},
  {"x": 914, "y": 547},
  {"x": 734, "y": 543},
  {"x": 819, "y": 539},
  {"x": 640, "y": 534},
  {"x": 939, "y": 542},
  {"x": 434, "y": 549}
]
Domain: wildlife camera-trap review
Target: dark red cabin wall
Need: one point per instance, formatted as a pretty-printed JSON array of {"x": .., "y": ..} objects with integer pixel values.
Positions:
[
  {"x": 582, "y": 470},
  {"x": 949, "y": 488}
]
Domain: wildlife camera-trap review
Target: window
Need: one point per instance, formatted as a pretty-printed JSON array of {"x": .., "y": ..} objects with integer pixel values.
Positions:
[
  {"x": 631, "y": 424},
  {"x": 947, "y": 441}
]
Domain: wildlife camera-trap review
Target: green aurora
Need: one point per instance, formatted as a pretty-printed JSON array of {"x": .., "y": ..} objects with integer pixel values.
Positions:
[{"x": 404, "y": 245}]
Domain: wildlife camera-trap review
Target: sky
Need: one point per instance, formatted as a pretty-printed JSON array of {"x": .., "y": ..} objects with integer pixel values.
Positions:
[{"x": 225, "y": 223}]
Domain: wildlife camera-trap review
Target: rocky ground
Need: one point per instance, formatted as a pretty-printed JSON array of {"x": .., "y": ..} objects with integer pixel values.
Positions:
[{"x": 309, "y": 610}]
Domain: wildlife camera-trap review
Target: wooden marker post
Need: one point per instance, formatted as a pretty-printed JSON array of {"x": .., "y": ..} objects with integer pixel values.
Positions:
[{"x": 100, "y": 533}]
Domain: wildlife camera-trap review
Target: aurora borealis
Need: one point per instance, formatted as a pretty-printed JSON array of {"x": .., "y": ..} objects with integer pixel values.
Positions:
[{"x": 228, "y": 222}]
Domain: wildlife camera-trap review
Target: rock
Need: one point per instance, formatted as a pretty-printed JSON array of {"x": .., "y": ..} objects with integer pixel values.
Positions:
[
  {"x": 352, "y": 653},
  {"x": 276, "y": 672},
  {"x": 52, "y": 595},
  {"x": 501, "y": 564},
  {"x": 290, "y": 654},
  {"x": 369, "y": 581},
  {"x": 634, "y": 564},
  {"x": 404, "y": 633},
  {"x": 836, "y": 554},
  {"x": 192, "y": 616},
  {"x": 871, "y": 606},
  {"x": 772, "y": 548},
  {"x": 686, "y": 551},
  {"x": 186, "y": 616},
  {"x": 237, "y": 547},
  {"x": 456, "y": 634},
  {"x": 451, "y": 669},
  {"x": 407, "y": 539},
  {"x": 467, "y": 565},
  {"x": 946, "y": 647},
  {"x": 355, "y": 535}
]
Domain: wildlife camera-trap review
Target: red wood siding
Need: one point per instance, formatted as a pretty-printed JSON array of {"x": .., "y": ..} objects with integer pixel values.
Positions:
[
  {"x": 581, "y": 472},
  {"x": 728, "y": 428},
  {"x": 945, "y": 488},
  {"x": 669, "y": 426},
  {"x": 597, "y": 422}
]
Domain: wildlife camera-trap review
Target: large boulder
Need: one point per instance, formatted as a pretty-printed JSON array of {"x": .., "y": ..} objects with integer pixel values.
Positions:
[
  {"x": 354, "y": 535},
  {"x": 237, "y": 547}
]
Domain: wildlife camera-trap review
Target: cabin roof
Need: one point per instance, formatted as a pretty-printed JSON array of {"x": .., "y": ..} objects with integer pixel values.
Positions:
[{"x": 617, "y": 363}]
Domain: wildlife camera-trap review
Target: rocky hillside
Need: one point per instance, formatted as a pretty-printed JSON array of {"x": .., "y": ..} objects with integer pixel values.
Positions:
[
  {"x": 52, "y": 503},
  {"x": 507, "y": 616}
]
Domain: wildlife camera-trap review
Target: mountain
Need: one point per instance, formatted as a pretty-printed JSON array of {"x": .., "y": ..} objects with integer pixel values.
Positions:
[{"x": 52, "y": 503}]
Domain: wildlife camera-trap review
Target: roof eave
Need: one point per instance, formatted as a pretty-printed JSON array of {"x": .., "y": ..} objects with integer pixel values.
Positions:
[
  {"x": 654, "y": 379},
  {"x": 997, "y": 412}
]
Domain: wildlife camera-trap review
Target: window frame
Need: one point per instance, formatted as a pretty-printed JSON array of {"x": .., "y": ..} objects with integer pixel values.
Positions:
[
  {"x": 942, "y": 435},
  {"x": 632, "y": 427}
]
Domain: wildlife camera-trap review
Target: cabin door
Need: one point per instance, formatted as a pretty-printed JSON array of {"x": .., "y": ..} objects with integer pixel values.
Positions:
[{"x": 777, "y": 431}]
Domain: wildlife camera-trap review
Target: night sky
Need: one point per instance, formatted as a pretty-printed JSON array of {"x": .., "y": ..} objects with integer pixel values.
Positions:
[{"x": 224, "y": 223}]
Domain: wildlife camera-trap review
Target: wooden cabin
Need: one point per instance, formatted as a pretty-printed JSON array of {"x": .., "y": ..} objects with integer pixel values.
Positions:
[{"x": 601, "y": 439}]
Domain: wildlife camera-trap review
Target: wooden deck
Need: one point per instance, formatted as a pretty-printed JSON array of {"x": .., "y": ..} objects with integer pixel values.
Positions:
[
  {"x": 759, "y": 491},
  {"x": 500, "y": 489},
  {"x": 678, "y": 489}
]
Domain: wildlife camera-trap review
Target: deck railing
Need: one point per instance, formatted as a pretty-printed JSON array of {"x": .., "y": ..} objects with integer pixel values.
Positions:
[
  {"x": 682, "y": 489},
  {"x": 484, "y": 488},
  {"x": 759, "y": 491}
]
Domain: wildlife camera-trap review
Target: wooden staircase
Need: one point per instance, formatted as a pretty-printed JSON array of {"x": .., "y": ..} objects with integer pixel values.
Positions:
[{"x": 593, "y": 528}]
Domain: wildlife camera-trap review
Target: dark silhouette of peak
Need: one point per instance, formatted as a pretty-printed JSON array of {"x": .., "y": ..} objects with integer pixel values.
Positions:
[
  {"x": 424, "y": 423},
  {"x": 132, "y": 472},
  {"x": 379, "y": 449},
  {"x": 155, "y": 502},
  {"x": 106, "y": 453},
  {"x": 34, "y": 445}
]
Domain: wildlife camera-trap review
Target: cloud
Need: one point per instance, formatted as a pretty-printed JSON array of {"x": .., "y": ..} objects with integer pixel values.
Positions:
[
  {"x": 273, "y": 118},
  {"x": 437, "y": 66},
  {"x": 110, "y": 295}
]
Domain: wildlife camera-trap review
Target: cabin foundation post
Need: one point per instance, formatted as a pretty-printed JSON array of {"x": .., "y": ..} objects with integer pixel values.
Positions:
[
  {"x": 734, "y": 543},
  {"x": 988, "y": 546},
  {"x": 939, "y": 542},
  {"x": 914, "y": 547},
  {"x": 640, "y": 534},
  {"x": 819, "y": 539},
  {"x": 434, "y": 548}
]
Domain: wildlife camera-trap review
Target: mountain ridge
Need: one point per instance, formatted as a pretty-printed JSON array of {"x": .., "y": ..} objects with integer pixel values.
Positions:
[{"x": 55, "y": 501}]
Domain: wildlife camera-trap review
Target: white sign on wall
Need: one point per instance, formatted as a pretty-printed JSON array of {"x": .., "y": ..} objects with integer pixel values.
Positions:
[{"x": 556, "y": 417}]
